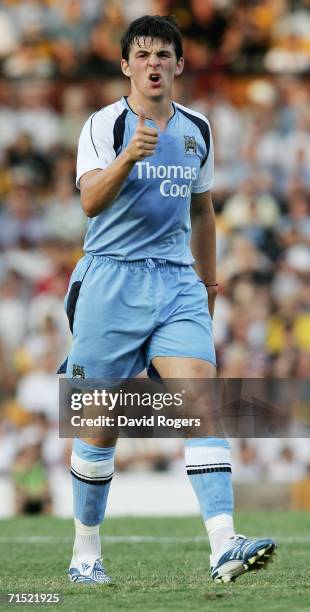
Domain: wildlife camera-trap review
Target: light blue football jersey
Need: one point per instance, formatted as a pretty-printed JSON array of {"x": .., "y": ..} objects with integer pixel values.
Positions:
[{"x": 150, "y": 217}]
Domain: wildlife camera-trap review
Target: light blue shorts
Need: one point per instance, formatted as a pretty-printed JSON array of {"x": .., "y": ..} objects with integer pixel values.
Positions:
[{"x": 123, "y": 314}]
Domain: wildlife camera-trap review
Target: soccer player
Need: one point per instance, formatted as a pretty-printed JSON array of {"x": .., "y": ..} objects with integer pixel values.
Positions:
[{"x": 135, "y": 299}]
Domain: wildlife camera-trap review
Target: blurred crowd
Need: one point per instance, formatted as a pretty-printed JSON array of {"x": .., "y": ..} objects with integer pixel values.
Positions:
[
  {"x": 247, "y": 69},
  {"x": 76, "y": 39}
]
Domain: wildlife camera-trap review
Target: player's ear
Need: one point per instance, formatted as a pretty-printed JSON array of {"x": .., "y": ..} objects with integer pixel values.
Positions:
[
  {"x": 179, "y": 66},
  {"x": 125, "y": 68}
]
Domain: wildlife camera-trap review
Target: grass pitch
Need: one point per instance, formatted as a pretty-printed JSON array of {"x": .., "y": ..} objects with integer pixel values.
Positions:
[{"x": 157, "y": 565}]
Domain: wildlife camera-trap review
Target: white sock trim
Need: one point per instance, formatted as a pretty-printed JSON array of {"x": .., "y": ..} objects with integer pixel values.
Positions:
[
  {"x": 87, "y": 544},
  {"x": 97, "y": 470},
  {"x": 219, "y": 529},
  {"x": 81, "y": 529},
  {"x": 207, "y": 456},
  {"x": 221, "y": 521}
]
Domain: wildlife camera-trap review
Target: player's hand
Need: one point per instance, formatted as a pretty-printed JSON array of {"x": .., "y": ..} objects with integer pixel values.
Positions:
[{"x": 144, "y": 140}]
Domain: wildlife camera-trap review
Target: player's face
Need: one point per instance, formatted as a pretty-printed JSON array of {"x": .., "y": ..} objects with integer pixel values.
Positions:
[{"x": 152, "y": 66}]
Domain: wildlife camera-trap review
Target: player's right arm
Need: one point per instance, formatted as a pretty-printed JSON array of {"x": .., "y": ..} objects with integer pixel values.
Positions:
[{"x": 100, "y": 187}]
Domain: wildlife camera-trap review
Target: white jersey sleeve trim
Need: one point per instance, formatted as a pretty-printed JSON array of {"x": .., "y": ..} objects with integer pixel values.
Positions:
[
  {"x": 96, "y": 142},
  {"x": 205, "y": 180}
]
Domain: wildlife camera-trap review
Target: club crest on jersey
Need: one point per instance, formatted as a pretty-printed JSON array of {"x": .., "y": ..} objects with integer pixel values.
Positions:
[
  {"x": 78, "y": 371},
  {"x": 190, "y": 145}
]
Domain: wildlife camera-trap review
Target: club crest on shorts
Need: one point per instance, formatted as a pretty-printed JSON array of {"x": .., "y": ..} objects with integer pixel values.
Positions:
[
  {"x": 190, "y": 145},
  {"x": 78, "y": 371}
]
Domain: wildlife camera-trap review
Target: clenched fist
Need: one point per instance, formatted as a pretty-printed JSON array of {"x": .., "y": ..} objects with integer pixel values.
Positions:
[{"x": 144, "y": 140}]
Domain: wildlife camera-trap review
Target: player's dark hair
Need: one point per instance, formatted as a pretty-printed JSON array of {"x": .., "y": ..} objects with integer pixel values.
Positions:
[{"x": 152, "y": 26}]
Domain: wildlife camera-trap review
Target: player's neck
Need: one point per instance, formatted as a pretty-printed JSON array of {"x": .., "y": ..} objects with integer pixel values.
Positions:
[{"x": 159, "y": 111}]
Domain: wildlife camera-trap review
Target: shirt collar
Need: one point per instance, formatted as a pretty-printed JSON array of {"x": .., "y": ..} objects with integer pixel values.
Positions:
[{"x": 125, "y": 100}]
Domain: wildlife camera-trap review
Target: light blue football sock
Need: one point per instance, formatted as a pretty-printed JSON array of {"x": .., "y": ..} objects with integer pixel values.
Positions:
[
  {"x": 92, "y": 470},
  {"x": 208, "y": 466}
]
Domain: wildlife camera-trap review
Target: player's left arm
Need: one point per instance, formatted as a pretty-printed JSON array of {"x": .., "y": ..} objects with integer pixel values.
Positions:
[{"x": 205, "y": 242}]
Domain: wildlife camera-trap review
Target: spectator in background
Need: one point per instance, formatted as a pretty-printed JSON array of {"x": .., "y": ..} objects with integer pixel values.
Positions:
[
  {"x": 8, "y": 442},
  {"x": 31, "y": 59},
  {"x": 36, "y": 116},
  {"x": 12, "y": 311},
  {"x": 8, "y": 33},
  {"x": 253, "y": 210},
  {"x": 103, "y": 58},
  {"x": 32, "y": 496},
  {"x": 74, "y": 114},
  {"x": 21, "y": 222},
  {"x": 30, "y": 16},
  {"x": 63, "y": 216},
  {"x": 37, "y": 391},
  {"x": 8, "y": 125},
  {"x": 24, "y": 156},
  {"x": 286, "y": 468},
  {"x": 294, "y": 227},
  {"x": 72, "y": 24},
  {"x": 289, "y": 55},
  {"x": 202, "y": 21},
  {"x": 242, "y": 257},
  {"x": 247, "y": 469}
]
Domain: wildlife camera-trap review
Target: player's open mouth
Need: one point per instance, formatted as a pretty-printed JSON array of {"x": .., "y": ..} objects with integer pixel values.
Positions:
[{"x": 155, "y": 78}]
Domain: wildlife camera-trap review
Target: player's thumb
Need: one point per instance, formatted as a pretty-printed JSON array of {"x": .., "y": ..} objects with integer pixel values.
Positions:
[{"x": 141, "y": 116}]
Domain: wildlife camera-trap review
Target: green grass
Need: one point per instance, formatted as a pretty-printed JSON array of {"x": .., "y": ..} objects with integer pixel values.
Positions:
[{"x": 168, "y": 573}]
